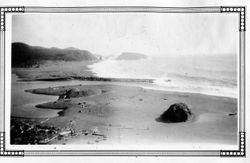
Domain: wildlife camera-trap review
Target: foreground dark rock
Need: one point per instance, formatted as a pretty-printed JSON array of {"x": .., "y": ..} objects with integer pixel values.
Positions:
[
  {"x": 28, "y": 132},
  {"x": 178, "y": 112}
]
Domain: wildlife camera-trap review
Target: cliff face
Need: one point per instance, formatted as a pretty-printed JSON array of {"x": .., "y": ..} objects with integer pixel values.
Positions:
[{"x": 24, "y": 55}]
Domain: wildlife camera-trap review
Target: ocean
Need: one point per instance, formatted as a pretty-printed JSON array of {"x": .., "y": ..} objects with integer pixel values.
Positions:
[{"x": 210, "y": 75}]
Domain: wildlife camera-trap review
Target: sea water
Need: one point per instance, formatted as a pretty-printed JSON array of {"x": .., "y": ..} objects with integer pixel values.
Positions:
[{"x": 205, "y": 74}]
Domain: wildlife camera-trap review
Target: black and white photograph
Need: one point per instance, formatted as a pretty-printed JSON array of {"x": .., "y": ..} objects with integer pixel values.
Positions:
[{"x": 123, "y": 80}]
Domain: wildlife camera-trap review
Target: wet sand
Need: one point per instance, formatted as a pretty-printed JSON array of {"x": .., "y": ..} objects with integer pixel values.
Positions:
[
  {"x": 126, "y": 115},
  {"x": 118, "y": 113}
]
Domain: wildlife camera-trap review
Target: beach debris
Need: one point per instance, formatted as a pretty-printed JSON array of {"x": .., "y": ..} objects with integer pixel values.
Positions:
[
  {"x": 94, "y": 130},
  {"x": 232, "y": 114},
  {"x": 30, "y": 132},
  {"x": 47, "y": 140},
  {"x": 62, "y": 96},
  {"x": 98, "y": 134},
  {"x": 178, "y": 112},
  {"x": 61, "y": 113},
  {"x": 85, "y": 132},
  {"x": 44, "y": 121},
  {"x": 65, "y": 133}
]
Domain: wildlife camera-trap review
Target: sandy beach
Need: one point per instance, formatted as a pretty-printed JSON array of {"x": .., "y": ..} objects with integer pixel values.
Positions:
[
  {"x": 60, "y": 102},
  {"x": 124, "y": 79},
  {"x": 126, "y": 115}
]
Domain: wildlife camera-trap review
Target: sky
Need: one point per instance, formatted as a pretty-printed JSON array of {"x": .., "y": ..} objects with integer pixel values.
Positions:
[{"x": 114, "y": 33}]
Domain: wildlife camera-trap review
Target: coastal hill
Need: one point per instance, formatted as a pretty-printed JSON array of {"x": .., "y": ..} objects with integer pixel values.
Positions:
[
  {"x": 24, "y": 55},
  {"x": 131, "y": 56}
]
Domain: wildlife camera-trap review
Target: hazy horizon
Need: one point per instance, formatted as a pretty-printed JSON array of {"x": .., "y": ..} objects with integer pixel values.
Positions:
[
  {"x": 112, "y": 34},
  {"x": 116, "y": 55}
]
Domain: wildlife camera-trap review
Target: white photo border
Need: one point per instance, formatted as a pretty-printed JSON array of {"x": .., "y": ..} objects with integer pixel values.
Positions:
[{"x": 240, "y": 10}]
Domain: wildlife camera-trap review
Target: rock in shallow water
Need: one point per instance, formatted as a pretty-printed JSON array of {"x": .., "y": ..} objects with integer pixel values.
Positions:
[{"x": 178, "y": 112}]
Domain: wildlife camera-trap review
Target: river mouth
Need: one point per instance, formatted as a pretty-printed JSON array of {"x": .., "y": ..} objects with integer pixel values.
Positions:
[
  {"x": 131, "y": 108},
  {"x": 23, "y": 103}
]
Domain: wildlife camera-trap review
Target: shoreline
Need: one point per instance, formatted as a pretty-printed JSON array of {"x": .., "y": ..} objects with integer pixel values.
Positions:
[
  {"x": 118, "y": 108},
  {"x": 82, "y": 71},
  {"x": 118, "y": 81},
  {"x": 116, "y": 111},
  {"x": 91, "y": 78}
]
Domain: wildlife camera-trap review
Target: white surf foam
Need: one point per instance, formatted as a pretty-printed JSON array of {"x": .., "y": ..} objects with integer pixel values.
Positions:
[{"x": 210, "y": 77}]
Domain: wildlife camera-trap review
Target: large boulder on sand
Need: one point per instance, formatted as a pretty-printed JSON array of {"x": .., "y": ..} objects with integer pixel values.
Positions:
[{"x": 178, "y": 112}]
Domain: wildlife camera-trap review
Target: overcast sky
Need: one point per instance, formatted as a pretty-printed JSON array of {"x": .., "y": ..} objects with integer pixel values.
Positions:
[{"x": 112, "y": 34}]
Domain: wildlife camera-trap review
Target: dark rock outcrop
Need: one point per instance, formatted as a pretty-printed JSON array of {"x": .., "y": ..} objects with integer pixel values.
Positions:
[
  {"x": 24, "y": 131},
  {"x": 75, "y": 92},
  {"x": 178, "y": 112}
]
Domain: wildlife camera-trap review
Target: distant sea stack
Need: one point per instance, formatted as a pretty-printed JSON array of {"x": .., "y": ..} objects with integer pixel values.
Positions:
[
  {"x": 131, "y": 56},
  {"x": 24, "y": 55}
]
